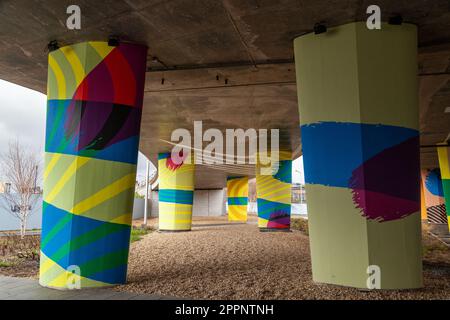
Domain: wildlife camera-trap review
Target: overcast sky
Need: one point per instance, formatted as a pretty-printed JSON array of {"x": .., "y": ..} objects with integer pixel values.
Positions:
[{"x": 22, "y": 117}]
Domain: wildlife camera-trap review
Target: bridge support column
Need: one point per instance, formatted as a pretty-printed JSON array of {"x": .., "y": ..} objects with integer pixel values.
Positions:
[
  {"x": 358, "y": 107},
  {"x": 237, "y": 192},
  {"x": 433, "y": 197},
  {"x": 444, "y": 163},
  {"x": 176, "y": 193},
  {"x": 95, "y": 94},
  {"x": 274, "y": 194}
]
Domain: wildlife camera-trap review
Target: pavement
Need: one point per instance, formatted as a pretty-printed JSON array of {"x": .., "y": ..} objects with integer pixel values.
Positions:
[
  {"x": 29, "y": 289},
  {"x": 440, "y": 231}
]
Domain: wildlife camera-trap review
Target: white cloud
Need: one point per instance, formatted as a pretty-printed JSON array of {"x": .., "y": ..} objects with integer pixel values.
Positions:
[{"x": 22, "y": 116}]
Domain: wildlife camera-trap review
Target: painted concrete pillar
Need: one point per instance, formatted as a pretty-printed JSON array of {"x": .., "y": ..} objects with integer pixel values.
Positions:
[
  {"x": 273, "y": 193},
  {"x": 358, "y": 107},
  {"x": 94, "y": 110},
  {"x": 237, "y": 192},
  {"x": 176, "y": 193},
  {"x": 423, "y": 208},
  {"x": 444, "y": 164},
  {"x": 433, "y": 196}
]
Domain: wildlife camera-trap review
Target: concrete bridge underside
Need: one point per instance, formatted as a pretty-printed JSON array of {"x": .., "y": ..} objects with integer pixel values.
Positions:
[
  {"x": 228, "y": 63},
  {"x": 231, "y": 64}
]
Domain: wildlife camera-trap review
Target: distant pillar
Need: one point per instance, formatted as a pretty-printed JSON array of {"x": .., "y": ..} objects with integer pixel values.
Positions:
[
  {"x": 444, "y": 163},
  {"x": 423, "y": 208},
  {"x": 274, "y": 194},
  {"x": 237, "y": 192},
  {"x": 358, "y": 107},
  {"x": 433, "y": 196},
  {"x": 95, "y": 94},
  {"x": 147, "y": 173},
  {"x": 176, "y": 193}
]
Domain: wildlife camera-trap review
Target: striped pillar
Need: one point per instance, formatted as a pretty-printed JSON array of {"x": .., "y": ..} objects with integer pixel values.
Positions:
[
  {"x": 176, "y": 194},
  {"x": 274, "y": 195},
  {"x": 237, "y": 192},
  {"x": 94, "y": 109},
  {"x": 433, "y": 196},
  {"x": 444, "y": 164},
  {"x": 358, "y": 108}
]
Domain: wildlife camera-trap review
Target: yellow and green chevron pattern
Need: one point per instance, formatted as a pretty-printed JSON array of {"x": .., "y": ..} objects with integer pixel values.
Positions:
[
  {"x": 176, "y": 193},
  {"x": 237, "y": 192},
  {"x": 94, "y": 108},
  {"x": 274, "y": 194}
]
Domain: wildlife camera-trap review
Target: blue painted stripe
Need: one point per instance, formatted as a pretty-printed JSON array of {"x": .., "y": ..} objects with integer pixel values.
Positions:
[
  {"x": 266, "y": 208},
  {"x": 237, "y": 201},
  {"x": 52, "y": 216},
  {"x": 176, "y": 196},
  {"x": 58, "y": 140},
  {"x": 108, "y": 240},
  {"x": 113, "y": 242},
  {"x": 163, "y": 155},
  {"x": 284, "y": 173},
  {"x": 117, "y": 275},
  {"x": 433, "y": 182},
  {"x": 332, "y": 150},
  {"x": 123, "y": 151}
]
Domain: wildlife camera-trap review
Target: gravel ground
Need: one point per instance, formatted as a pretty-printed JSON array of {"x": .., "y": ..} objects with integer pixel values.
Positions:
[{"x": 221, "y": 261}]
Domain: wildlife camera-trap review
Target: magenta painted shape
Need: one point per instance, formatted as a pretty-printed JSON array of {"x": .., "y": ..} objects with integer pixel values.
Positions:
[{"x": 386, "y": 187}]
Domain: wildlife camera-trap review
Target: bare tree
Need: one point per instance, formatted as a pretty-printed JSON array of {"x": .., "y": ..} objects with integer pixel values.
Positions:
[{"x": 19, "y": 168}]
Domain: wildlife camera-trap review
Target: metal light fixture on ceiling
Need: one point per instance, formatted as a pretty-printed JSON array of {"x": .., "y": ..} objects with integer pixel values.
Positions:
[
  {"x": 113, "y": 41},
  {"x": 320, "y": 28},
  {"x": 396, "y": 20},
  {"x": 53, "y": 45}
]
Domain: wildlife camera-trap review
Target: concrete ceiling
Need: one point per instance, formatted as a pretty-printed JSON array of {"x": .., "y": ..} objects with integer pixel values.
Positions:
[{"x": 247, "y": 42}]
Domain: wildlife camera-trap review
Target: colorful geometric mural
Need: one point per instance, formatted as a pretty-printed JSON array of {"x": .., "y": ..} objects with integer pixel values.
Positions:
[
  {"x": 274, "y": 195},
  {"x": 176, "y": 193},
  {"x": 433, "y": 196},
  {"x": 95, "y": 94},
  {"x": 237, "y": 192},
  {"x": 360, "y": 141},
  {"x": 375, "y": 162},
  {"x": 444, "y": 164}
]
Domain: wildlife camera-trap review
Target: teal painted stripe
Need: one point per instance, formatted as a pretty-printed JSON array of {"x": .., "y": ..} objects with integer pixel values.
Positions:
[
  {"x": 176, "y": 196},
  {"x": 234, "y": 177},
  {"x": 237, "y": 201},
  {"x": 163, "y": 155},
  {"x": 446, "y": 187}
]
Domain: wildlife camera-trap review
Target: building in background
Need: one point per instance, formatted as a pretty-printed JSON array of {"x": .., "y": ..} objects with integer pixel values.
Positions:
[{"x": 5, "y": 187}]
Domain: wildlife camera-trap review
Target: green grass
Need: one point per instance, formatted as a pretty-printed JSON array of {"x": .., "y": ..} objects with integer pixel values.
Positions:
[
  {"x": 5, "y": 264},
  {"x": 137, "y": 233},
  {"x": 300, "y": 224}
]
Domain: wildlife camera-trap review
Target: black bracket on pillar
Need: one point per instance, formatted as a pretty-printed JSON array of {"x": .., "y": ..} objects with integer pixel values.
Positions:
[
  {"x": 52, "y": 46},
  {"x": 396, "y": 20},
  {"x": 320, "y": 28},
  {"x": 113, "y": 41}
]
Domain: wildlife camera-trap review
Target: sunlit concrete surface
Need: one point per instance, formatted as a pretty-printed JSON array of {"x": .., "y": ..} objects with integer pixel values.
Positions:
[{"x": 28, "y": 289}]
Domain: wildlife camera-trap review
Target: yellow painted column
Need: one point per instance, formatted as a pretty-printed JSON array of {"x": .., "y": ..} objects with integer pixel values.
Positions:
[
  {"x": 237, "y": 192},
  {"x": 444, "y": 163},
  {"x": 176, "y": 193},
  {"x": 274, "y": 193},
  {"x": 433, "y": 201}
]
